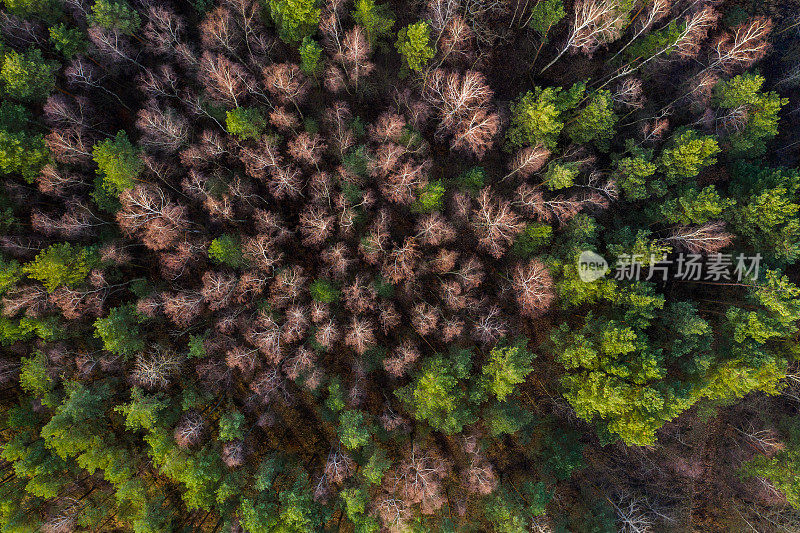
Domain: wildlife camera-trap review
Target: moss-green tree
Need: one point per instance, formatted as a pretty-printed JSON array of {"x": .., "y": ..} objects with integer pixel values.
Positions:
[
  {"x": 376, "y": 19},
  {"x": 437, "y": 395},
  {"x": 595, "y": 121},
  {"x": 353, "y": 430},
  {"x": 118, "y": 163},
  {"x": 687, "y": 154},
  {"x": 413, "y": 44},
  {"x": 536, "y": 118},
  {"x": 310, "y": 54},
  {"x": 113, "y": 15},
  {"x": 47, "y": 10},
  {"x": 119, "y": 331},
  {"x": 227, "y": 250},
  {"x": 69, "y": 41},
  {"x": 765, "y": 214},
  {"x": 61, "y": 264},
  {"x": 22, "y": 151},
  {"x": 507, "y": 366},
  {"x": 752, "y": 113},
  {"x": 27, "y": 76},
  {"x": 545, "y": 15},
  {"x": 245, "y": 122},
  {"x": 295, "y": 19},
  {"x": 231, "y": 425}
]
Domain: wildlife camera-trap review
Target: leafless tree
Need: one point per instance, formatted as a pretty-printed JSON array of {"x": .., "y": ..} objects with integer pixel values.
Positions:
[
  {"x": 594, "y": 24},
  {"x": 745, "y": 46},
  {"x": 162, "y": 129},
  {"x": 189, "y": 430},
  {"x": 339, "y": 466},
  {"x": 527, "y": 161},
  {"x": 220, "y": 33},
  {"x": 225, "y": 81},
  {"x": 155, "y": 370},
  {"x": 533, "y": 287},
  {"x": 495, "y": 224},
  {"x": 706, "y": 238}
]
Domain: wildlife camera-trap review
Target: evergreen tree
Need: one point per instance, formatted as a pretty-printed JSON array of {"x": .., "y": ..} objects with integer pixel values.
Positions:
[
  {"x": 27, "y": 76},
  {"x": 118, "y": 163},
  {"x": 61, "y": 264},
  {"x": 413, "y": 44}
]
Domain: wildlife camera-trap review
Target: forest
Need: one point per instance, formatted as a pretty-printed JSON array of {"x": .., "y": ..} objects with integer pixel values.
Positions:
[{"x": 504, "y": 266}]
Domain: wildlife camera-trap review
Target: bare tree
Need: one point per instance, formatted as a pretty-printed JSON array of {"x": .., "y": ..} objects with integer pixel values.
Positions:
[
  {"x": 527, "y": 161},
  {"x": 706, "y": 238},
  {"x": 594, "y": 24},
  {"x": 225, "y": 81},
  {"x": 745, "y": 46},
  {"x": 162, "y": 129},
  {"x": 495, "y": 224},
  {"x": 533, "y": 287}
]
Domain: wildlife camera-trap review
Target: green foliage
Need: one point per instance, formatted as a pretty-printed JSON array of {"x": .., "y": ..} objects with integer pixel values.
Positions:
[
  {"x": 536, "y": 118},
  {"x": 694, "y": 206},
  {"x": 21, "y": 151},
  {"x": 780, "y": 468},
  {"x": 560, "y": 175},
  {"x": 743, "y": 94},
  {"x": 113, "y": 15},
  {"x": 472, "y": 180},
  {"x": 436, "y": 394},
  {"x": 353, "y": 430},
  {"x": 632, "y": 173},
  {"x": 656, "y": 42},
  {"x": 383, "y": 288},
  {"x": 765, "y": 214},
  {"x": 507, "y": 366},
  {"x": 687, "y": 154},
  {"x": 335, "y": 401},
  {"x": 376, "y": 19},
  {"x": 10, "y": 274},
  {"x": 295, "y": 19},
  {"x": 532, "y": 239},
  {"x": 595, "y": 121},
  {"x": 226, "y": 250},
  {"x": 638, "y": 245},
  {"x": 430, "y": 198},
  {"x": 310, "y": 53},
  {"x": 507, "y": 418},
  {"x": 413, "y": 44},
  {"x": 143, "y": 411},
  {"x": 231, "y": 425},
  {"x": 619, "y": 366},
  {"x": 24, "y": 329},
  {"x": 118, "y": 163},
  {"x": 777, "y": 313},
  {"x": 33, "y": 376},
  {"x": 69, "y": 41},
  {"x": 27, "y": 76},
  {"x": 245, "y": 123},
  {"x": 376, "y": 466},
  {"x": 197, "y": 349},
  {"x": 119, "y": 331},
  {"x": 61, "y": 264},
  {"x": 546, "y": 14},
  {"x": 511, "y": 510},
  {"x": 323, "y": 291},
  {"x": 47, "y": 10},
  {"x": 563, "y": 453},
  {"x": 357, "y": 162}
]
